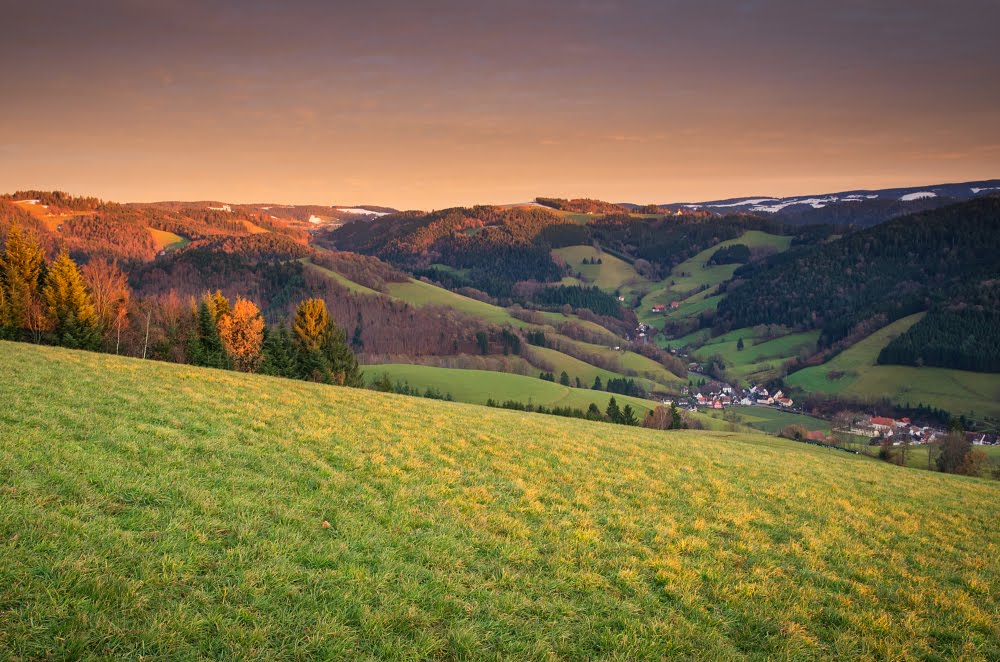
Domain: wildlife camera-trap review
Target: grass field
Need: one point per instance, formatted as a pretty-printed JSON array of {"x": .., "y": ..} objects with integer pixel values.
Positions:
[
  {"x": 613, "y": 274},
  {"x": 170, "y": 512},
  {"x": 478, "y": 386},
  {"x": 759, "y": 359},
  {"x": 975, "y": 394},
  {"x": 167, "y": 240},
  {"x": 696, "y": 272},
  {"x": 773, "y": 420}
]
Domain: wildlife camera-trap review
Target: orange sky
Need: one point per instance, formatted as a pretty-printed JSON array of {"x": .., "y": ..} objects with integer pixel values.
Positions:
[{"x": 437, "y": 103}]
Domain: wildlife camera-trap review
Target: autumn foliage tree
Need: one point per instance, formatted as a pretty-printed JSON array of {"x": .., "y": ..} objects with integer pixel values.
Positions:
[
  {"x": 69, "y": 305},
  {"x": 242, "y": 334},
  {"x": 111, "y": 294}
]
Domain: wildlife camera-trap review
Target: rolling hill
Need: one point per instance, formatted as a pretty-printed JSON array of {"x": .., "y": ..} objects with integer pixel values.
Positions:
[{"x": 160, "y": 510}]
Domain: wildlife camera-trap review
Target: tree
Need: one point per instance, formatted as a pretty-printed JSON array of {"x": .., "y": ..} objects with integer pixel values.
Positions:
[
  {"x": 564, "y": 378},
  {"x": 242, "y": 334},
  {"x": 204, "y": 345},
  {"x": 951, "y": 457},
  {"x": 739, "y": 345},
  {"x": 628, "y": 416},
  {"x": 69, "y": 306},
  {"x": 110, "y": 293},
  {"x": 483, "y": 341},
  {"x": 676, "y": 422},
  {"x": 22, "y": 269},
  {"x": 324, "y": 352},
  {"x": 657, "y": 419},
  {"x": 594, "y": 413},
  {"x": 598, "y": 386},
  {"x": 612, "y": 411},
  {"x": 279, "y": 355},
  {"x": 356, "y": 341}
]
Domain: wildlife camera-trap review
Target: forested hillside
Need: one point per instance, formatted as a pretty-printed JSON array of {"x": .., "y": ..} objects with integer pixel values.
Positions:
[{"x": 937, "y": 259}]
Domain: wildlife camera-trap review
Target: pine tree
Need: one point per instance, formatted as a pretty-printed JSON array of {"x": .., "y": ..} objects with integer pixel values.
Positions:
[
  {"x": 324, "y": 352},
  {"x": 628, "y": 416},
  {"x": 564, "y": 378},
  {"x": 356, "y": 341},
  {"x": 597, "y": 384},
  {"x": 205, "y": 345},
  {"x": 22, "y": 270},
  {"x": 676, "y": 423},
  {"x": 69, "y": 307},
  {"x": 279, "y": 355},
  {"x": 612, "y": 412},
  {"x": 739, "y": 345}
]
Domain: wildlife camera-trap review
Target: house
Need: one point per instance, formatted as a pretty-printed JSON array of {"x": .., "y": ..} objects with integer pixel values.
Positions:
[
  {"x": 881, "y": 423},
  {"x": 716, "y": 405},
  {"x": 746, "y": 402},
  {"x": 784, "y": 402},
  {"x": 659, "y": 308},
  {"x": 674, "y": 305}
]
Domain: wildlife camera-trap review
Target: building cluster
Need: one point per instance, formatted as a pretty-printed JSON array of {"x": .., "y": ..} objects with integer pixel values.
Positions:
[
  {"x": 904, "y": 431},
  {"x": 717, "y": 395}
]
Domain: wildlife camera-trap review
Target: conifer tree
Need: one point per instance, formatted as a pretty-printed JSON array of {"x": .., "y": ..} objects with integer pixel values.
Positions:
[
  {"x": 564, "y": 378},
  {"x": 69, "y": 306},
  {"x": 598, "y": 386},
  {"x": 613, "y": 413},
  {"x": 324, "y": 352},
  {"x": 628, "y": 416},
  {"x": 22, "y": 270},
  {"x": 205, "y": 345},
  {"x": 279, "y": 355}
]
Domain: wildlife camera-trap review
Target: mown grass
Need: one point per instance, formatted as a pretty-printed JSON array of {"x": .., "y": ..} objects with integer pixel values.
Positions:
[
  {"x": 974, "y": 394},
  {"x": 478, "y": 386},
  {"x": 164, "y": 511},
  {"x": 167, "y": 240},
  {"x": 613, "y": 274}
]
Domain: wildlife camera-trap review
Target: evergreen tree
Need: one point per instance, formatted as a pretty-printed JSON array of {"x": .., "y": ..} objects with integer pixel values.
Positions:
[
  {"x": 22, "y": 270},
  {"x": 628, "y": 416},
  {"x": 739, "y": 345},
  {"x": 594, "y": 413},
  {"x": 204, "y": 345},
  {"x": 69, "y": 307},
  {"x": 279, "y": 355},
  {"x": 356, "y": 342},
  {"x": 613, "y": 413},
  {"x": 324, "y": 352},
  {"x": 564, "y": 378},
  {"x": 598, "y": 386},
  {"x": 676, "y": 423}
]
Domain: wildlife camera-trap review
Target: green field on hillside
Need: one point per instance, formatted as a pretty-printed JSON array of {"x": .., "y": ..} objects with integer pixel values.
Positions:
[
  {"x": 760, "y": 358},
  {"x": 164, "y": 511},
  {"x": 773, "y": 420},
  {"x": 974, "y": 394},
  {"x": 478, "y": 386},
  {"x": 613, "y": 274},
  {"x": 696, "y": 273}
]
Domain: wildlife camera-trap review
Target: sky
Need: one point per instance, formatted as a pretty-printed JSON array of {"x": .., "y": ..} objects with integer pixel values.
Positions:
[{"x": 435, "y": 103}]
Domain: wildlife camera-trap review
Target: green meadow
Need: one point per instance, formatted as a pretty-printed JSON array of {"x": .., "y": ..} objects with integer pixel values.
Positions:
[
  {"x": 854, "y": 371},
  {"x": 161, "y": 511}
]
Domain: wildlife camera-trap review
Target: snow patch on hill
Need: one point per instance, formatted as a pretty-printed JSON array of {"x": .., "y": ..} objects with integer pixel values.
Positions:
[
  {"x": 361, "y": 212},
  {"x": 919, "y": 195}
]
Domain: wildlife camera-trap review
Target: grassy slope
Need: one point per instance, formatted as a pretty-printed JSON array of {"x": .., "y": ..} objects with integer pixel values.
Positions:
[
  {"x": 167, "y": 240},
  {"x": 174, "y": 512},
  {"x": 696, "y": 272},
  {"x": 478, "y": 386},
  {"x": 957, "y": 391},
  {"x": 612, "y": 274},
  {"x": 759, "y": 359}
]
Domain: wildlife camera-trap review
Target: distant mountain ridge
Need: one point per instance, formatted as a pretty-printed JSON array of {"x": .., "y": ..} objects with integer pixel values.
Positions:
[{"x": 860, "y": 207}]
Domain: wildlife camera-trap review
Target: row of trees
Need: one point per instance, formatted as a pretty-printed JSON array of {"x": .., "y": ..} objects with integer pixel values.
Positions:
[{"x": 90, "y": 308}]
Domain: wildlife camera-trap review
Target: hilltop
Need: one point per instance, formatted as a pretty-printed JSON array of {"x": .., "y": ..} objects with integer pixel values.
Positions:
[{"x": 171, "y": 511}]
